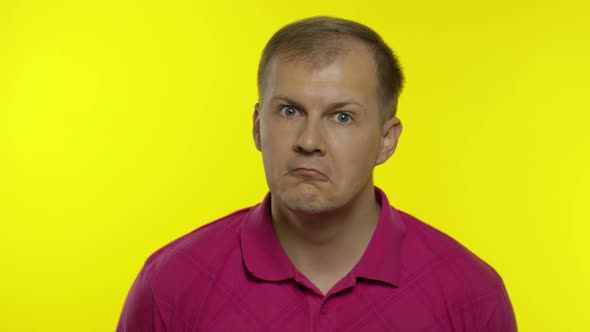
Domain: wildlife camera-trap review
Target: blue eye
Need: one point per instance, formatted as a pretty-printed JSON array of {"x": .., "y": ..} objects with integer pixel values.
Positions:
[
  {"x": 289, "y": 111},
  {"x": 343, "y": 117}
]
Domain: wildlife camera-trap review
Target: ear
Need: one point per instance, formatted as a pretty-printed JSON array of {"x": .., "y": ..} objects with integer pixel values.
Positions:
[
  {"x": 391, "y": 131},
  {"x": 256, "y": 126}
]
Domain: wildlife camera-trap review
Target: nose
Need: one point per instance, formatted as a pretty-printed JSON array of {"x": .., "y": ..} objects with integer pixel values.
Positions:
[{"x": 310, "y": 140}]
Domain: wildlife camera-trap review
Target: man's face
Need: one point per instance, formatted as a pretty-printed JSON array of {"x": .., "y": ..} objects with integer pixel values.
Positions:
[{"x": 319, "y": 130}]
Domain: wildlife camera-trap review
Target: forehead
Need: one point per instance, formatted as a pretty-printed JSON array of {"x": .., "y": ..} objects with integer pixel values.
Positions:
[{"x": 350, "y": 71}]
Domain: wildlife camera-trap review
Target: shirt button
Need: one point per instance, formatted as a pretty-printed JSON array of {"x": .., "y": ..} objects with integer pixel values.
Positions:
[{"x": 323, "y": 309}]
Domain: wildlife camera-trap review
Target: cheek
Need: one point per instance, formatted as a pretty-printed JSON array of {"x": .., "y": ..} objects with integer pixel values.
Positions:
[
  {"x": 354, "y": 154},
  {"x": 274, "y": 141},
  {"x": 267, "y": 133}
]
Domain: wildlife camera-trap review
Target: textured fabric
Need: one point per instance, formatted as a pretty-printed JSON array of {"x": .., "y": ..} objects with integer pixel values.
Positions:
[{"x": 233, "y": 275}]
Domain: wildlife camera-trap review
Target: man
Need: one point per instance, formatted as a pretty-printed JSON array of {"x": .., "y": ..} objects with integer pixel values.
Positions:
[{"x": 324, "y": 250}]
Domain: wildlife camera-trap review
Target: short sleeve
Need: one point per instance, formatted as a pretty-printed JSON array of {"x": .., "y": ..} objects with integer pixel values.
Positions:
[
  {"x": 140, "y": 312},
  {"x": 502, "y": 318}
]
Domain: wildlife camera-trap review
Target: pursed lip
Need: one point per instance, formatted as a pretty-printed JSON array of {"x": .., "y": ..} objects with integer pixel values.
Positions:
[{"x": 311, "y": 173}]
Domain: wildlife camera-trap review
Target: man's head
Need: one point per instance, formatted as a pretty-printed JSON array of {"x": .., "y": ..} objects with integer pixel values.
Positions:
[{"x": 326, "y": 115}]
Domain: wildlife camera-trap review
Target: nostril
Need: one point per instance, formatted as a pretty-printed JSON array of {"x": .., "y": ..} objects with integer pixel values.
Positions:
[{"x": 307, "y": 151}]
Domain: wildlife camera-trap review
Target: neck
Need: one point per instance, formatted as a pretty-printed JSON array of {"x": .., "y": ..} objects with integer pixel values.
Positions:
[{"x": 327, "y": 244}]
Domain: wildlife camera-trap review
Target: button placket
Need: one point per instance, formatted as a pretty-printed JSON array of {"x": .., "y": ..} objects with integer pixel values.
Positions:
[{"x": 324, "y": 308}]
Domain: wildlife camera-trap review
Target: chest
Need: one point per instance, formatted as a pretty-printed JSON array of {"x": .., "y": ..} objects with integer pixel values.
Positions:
[{"x": 290, "y": 307}]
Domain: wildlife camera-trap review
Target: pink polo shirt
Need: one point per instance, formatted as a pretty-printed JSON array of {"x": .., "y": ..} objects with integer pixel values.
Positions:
[{"x": 233, "y": 275}]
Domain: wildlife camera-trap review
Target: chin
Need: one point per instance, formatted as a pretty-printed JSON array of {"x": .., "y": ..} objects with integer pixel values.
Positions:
[{"x": 308, "y": 199}]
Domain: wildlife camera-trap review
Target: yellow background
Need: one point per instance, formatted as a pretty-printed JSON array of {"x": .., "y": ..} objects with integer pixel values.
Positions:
[{"x": 126, "y": 124}]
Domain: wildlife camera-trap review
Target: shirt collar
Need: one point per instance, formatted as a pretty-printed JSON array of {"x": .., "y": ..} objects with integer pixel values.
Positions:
[
  {"x": 262, "y": 252},
  {"x": 265, "y": 258}
]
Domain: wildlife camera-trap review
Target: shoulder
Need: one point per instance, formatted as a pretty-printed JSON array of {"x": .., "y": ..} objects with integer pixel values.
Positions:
[
  {"x": 194, "y": 254},
  {"x": 174, "y": 273},
  {"x": 462, "y": 287},
  {"x": 444, "y": 265}
]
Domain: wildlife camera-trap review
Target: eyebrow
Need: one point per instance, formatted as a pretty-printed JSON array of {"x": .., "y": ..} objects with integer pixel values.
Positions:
[{"x": 331, "y": 106}]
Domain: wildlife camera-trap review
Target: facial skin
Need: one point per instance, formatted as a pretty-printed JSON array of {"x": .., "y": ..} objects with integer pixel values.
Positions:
[{"x": 320, "y": 133}]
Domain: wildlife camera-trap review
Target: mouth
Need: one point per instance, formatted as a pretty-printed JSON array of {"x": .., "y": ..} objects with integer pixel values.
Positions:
[{"x": 308, "y": 173}]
